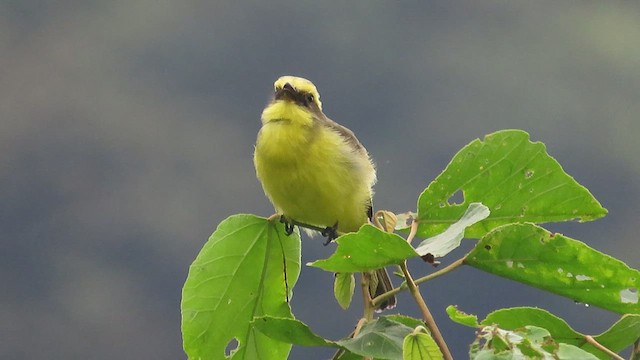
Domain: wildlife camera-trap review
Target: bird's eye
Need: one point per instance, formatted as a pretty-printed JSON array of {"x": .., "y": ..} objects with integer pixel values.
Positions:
[{"x": 310, "y": 98}]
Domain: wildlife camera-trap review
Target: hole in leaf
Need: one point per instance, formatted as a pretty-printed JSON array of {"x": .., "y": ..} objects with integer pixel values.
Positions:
[
  {"x": 528, "y": 174},
  {"x": 457, "y": 198},
  {"x": 629, "y": 296},
  {"x": 232, "y": 346}
]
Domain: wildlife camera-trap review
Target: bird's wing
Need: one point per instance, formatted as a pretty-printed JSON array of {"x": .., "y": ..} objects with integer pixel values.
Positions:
[{"x": 348, "y": 135}]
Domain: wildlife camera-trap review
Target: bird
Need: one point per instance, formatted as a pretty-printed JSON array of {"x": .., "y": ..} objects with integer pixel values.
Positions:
[{"x": 314, "y": 171}]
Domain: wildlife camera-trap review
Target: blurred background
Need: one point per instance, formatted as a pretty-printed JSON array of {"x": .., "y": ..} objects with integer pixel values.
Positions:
[{"x": 127, "y": 132}]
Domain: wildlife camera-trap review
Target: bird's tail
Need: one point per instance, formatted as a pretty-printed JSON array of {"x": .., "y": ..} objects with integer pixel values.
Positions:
[{"x": 381, "y": 283}]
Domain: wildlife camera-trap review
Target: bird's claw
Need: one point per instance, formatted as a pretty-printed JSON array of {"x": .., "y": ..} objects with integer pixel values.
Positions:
[
  {"x": 288, "y": 227},
  {"x": 331, "y": 233}
]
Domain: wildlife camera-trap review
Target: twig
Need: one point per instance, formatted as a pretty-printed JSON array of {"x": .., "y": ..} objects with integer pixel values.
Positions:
[
  {"x": 426, "y": 314},
  {"x": 596, "y": 344},
  {"x": 382, "y": 297},
  {"x": 442, "y": 271}
]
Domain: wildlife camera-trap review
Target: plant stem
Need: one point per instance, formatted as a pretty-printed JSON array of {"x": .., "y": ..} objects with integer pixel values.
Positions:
[
  {"x": 366, "y": 297},
  {"x": 442, "y": 271},
  {"x": 426, "y": 314},
  {"x": 380, "y": 298},
  {"x": 596, "y": 344}
]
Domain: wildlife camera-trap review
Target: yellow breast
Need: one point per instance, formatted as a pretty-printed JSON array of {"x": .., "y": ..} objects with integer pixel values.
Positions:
[{"x": 309, "y": 172}]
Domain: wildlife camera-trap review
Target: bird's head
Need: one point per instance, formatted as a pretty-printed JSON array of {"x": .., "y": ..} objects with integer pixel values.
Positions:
[{"x": 299, "y": 90}]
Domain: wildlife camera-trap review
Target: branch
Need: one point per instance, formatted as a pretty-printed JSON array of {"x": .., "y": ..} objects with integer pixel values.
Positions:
[
  {"x": 426, "y": 314},
  {"x": 442, "y": 271},
  {"x": 596, "y": 344}
]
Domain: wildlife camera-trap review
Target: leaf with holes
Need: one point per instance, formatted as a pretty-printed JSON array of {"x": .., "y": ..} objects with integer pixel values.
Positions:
[
  {"x": 514, "y": 177},
  {"x": 618, "y": 337},
  {"x": 528, "y": 342},
  {"x": 246, "y": 269},
  {"x": 530, "y": 254},
  {"x": 461, "y": 317},
  {"x": 519, "y": 317}
]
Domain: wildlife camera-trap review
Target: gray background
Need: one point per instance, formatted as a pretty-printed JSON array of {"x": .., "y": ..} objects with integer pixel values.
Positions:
[{"x": 127, "y": 131}]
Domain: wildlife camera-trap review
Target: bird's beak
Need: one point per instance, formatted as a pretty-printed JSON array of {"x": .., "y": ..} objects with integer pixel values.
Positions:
[{"x": 287, "y": 91}]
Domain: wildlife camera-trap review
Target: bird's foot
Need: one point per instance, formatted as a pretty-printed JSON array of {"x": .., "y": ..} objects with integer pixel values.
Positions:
[
  {"x": 288, "y": 226},
  {"x": 331, "y": 233}
]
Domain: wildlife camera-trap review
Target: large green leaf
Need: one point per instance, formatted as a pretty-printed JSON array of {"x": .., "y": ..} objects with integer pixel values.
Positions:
[
  {"x": 246, "y": 269},
  {"x": 556, "y": 263},
  {"x": 511, "y": 175},
  {"x": 367, "y": 249}
]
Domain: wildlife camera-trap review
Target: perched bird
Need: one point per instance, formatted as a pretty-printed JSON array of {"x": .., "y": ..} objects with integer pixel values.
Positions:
[{"x": 314, "y": 170}]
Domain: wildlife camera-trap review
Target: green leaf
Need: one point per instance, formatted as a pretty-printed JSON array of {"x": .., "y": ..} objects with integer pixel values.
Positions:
[
  {"x": 405, "y": 320},
  {"x": 461, "y": 317},
  {"x": 519, "y": 317},
  {"x": 239, "y": 274},
  {"x": 621, "y": 335},
  {"x": 514, "y": 177},
  {"x": 419, "y": 345},
  {"x": 367, "y": 249},
  {"x": 348, "y": 355},
  {"x": 343, "y": 288},
  {"x": 290, "y": 331},
  {"x": 570, "y": 352},
  {"x": 380, "y": 338},
  {"x": 529, "y": 342},
  {"x": 443, "y": 243},
  {"x": 530, "y": 254}
]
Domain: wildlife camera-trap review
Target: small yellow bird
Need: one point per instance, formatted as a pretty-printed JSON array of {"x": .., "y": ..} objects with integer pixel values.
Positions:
[{"x": 314, "y": 170}]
